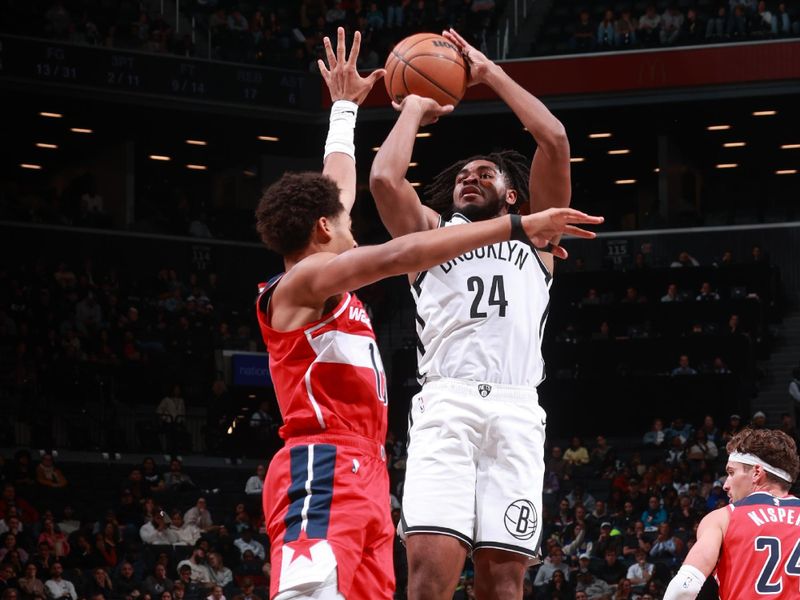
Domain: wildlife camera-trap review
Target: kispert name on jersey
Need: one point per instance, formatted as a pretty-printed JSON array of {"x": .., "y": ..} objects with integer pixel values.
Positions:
[{"x": 481, "y": 316}]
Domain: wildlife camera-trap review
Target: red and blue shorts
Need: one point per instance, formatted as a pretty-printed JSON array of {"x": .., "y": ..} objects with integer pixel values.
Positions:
[{"x": 326, "y": 505}]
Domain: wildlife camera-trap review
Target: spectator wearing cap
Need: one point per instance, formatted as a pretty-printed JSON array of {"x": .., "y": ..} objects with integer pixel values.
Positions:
[
  {"x": 717, "y": 497},
  {"x": 759, "y": 420},
  {"x": 545, "y": 573},
  {"x": 246, "y": 542},
  {"x": 607, "y": 540},
  {"x": 590, "y": 586},
  {"x": 734, "y": 427}
]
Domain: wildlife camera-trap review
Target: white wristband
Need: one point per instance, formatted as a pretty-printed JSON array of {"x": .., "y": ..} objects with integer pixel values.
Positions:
[
  {"x": 340, "y": 130},
  {"x": 686, "y": 584}
]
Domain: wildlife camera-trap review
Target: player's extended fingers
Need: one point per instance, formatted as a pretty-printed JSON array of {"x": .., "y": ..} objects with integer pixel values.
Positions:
[
  {"x": 326, "y": 75},
  {"x": 326, "y": 41},
  {"x": 558, "y": 251},
  {"x": 340, "y": 49},
  {"x": 375, "y": 75},
  {"x": 453, "y": 40},
  {"x": 351, "y": 60},
  {"x": 578, "y": 232},
  {"x": 458, "y": 37}
]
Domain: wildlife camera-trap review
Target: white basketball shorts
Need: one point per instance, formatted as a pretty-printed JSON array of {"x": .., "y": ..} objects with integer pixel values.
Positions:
[{"x": 475, "y": 465}]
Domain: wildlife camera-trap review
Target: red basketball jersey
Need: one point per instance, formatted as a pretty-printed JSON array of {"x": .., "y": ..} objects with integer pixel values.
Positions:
[
  {"x": 328, "y": 375},
  {"x": 761, "y": 549}
]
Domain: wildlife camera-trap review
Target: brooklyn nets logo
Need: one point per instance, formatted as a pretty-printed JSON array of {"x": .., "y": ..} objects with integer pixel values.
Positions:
[
  {"x": 521, "y": 519},
  {"x": 484, "y": 389}
]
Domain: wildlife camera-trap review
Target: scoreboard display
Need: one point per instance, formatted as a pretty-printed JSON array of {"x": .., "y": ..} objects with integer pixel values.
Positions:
[{"x": 165, "y": 75}]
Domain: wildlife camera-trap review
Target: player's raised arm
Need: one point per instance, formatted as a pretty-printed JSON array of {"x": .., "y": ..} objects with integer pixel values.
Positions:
[
  {"x": 702, "y": 558},
  {"x": 550, "y": 169},
  {"x": 348, "y": 90},
  {"x": 398, "y": 204},
  {"x": 324, "y": 275}
]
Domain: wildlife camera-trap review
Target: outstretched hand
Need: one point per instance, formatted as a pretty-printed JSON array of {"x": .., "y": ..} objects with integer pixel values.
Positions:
[
  {"x": 545, "y": 227},
  {"x": 341, "y": 75},
  {"x": 479, "y": 65},
  {"x": 430, "y": 110}
]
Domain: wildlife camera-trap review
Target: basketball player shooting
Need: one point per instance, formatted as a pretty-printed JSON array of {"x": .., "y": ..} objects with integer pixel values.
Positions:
[
  {"x": 475, "y": 465},
  {"x": 326, "y": 494},
  {"x": 753, "y": 544}
]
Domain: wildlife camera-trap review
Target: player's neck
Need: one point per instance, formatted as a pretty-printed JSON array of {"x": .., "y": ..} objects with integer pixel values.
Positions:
[{"x": 770, "y": 488}]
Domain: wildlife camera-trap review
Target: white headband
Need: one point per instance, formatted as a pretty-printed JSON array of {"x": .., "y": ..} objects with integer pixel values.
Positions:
[{"x": 752, "y": 459}]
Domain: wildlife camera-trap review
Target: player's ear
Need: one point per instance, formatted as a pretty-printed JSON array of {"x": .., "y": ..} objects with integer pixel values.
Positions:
[
  {"x": 323, "y": 231},
  {"x": 511, "y": 197}
]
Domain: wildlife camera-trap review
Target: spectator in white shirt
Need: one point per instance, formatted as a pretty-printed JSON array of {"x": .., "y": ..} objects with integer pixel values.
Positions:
[
  {"x": 185, "y": 534},
  {"x": 641, "y": 571},
  {"x": 255, "y": 484},
  {"x": 219, "y": 573},
  {"x": 157, "y": 531},
  {"x": 197, "y": 563},
  {"x": 198, "y": 515},
  {"x": 246, "y": 542},
  {"x": 58, "y": 588}
]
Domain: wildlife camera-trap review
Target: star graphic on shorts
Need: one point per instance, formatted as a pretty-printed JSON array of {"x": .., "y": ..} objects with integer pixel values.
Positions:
[{"x": 302, "y": 546}]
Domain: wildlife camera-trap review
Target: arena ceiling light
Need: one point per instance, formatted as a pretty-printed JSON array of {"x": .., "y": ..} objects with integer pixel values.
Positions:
[
  {"x": 51, "y": 115},
  {"x": 620, "y": 151},
  {"x": 786, "y": 172},
  {"x": 46, "y": 145},
  {"x": 718, "y": 127},
  {"x": 161, "y": 157},
  {"x": 376, "y": 148},
  {"x": 415, "y": 184},
  {"x": 625, "y": 181},
  {"x": 734, "y": 144},
  {"x": 424, "y": 134},
  {"x": 657, "y": 170},
  {"x": 197, "y": 142},
  {"x": 599, "y": 136},
  {"x": 413, "y": 164},
  {"x": 790, "y": 146},
  {"x": 197, "y": 167},
  {"x": 81, "y": 130},
  {"x": 31, "y": 166},
  {"x": 269, "y": 138},
  {"x": 765, "y": 113},
  {"x": 727, "y": 165},
  {"x": 249, "y": 173},
  {"x": 577, "y": 159}
]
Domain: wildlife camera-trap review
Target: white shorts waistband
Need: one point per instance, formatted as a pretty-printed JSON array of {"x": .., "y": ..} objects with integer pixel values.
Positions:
[{"x": 483, "y": 390}]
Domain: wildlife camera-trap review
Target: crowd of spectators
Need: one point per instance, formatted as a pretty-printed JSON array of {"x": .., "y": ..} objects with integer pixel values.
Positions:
[
  {"x": 65, "y": 327},
  {"x": 157, "y": 540},
  {"x": 728, "y": 21},
  {"x": 283, "y": 34}
]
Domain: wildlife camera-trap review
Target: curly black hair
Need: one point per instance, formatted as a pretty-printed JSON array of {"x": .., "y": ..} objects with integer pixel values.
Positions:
[
  {"x": 773, "y": 447},
  {"x": 290, "y": 207},
  {"x": 513, "y": 165}
]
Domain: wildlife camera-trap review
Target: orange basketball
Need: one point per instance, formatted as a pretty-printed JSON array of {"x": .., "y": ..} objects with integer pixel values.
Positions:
[{"x": 428, "y": 65}]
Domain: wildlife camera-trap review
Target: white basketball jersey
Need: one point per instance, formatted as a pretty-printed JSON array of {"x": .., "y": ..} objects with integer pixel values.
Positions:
[{"x": 481, "y": 316}]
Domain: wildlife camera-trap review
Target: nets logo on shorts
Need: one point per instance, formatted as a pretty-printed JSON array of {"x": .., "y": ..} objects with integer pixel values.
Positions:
[
  {"x": 484, "y": 389},
  {"x": 521, "y": 519}
]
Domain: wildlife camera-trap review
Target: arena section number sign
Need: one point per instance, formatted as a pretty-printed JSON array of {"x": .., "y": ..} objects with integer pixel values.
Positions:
[{"x": 26, "y": 59}]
